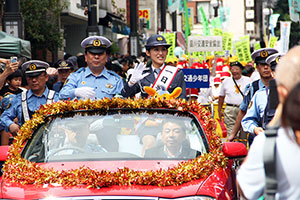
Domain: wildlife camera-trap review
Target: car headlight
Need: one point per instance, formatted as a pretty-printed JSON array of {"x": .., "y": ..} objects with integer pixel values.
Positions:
[{"x": 191, "y": 198}]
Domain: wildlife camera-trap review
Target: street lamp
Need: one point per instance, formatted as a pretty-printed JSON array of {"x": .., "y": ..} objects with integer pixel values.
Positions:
[
  {"x": 12, "y": 19},
  {"x": 215, "y": 5}
]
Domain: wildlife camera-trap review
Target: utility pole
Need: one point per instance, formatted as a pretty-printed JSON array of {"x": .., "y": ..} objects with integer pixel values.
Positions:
[
  {"x": 92, "y": 28},
  {"x": 133, "y": 37},
  {"x": 163, "y": 10}
]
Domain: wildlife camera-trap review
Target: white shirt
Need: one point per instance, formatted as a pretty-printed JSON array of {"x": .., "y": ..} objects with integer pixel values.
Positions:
[
  {"x": 231, "y": 92},
  {"x": 205, "y": 95},
  {"x": 215, "y": 92},
  {"x": 251, "y": 175}
]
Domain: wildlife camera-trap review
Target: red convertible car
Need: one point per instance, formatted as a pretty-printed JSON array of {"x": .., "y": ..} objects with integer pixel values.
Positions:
[{"x": 120, "y": 149}]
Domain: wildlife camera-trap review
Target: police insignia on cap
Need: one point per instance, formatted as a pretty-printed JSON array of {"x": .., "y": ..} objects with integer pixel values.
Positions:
[
  {"x": 32, "y": 67},
  {"x": 83, "y": 82},
  {"x": 63, "y": 64},
  {"x": 96, "y": 43},
  {"x": 159, "y": 39},
  {"x": 277, "y": 59},
  {"x": 108, "y": 85},
  {"x": 264, "y": 54}
]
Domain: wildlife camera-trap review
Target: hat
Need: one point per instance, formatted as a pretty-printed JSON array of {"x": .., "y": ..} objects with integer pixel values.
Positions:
[
  {"x": 273, "y": 60},
  {"x": 156, "y": 40},
  {"x": 236, "y": 63},
  {"x": 217, "y": 80},
  {"x": 261, "y": 55},
  {"x": 96, "y": 44},
  {"x": 65, "y": 65},
  {"x": 225, "y": 74},
  {"x": 34, "y": 67},
  {"x": 193, "y": 92}
]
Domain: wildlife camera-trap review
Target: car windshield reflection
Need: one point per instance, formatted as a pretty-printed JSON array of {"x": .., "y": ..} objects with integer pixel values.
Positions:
[{"x": 117, "y": 136}]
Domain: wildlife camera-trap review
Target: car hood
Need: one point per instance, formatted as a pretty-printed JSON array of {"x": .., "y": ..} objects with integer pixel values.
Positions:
[{"x": 207, "y": 186}]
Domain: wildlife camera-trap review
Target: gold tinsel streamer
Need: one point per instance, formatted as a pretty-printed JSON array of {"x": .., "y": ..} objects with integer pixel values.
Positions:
[{"x": 19, "y": 170}]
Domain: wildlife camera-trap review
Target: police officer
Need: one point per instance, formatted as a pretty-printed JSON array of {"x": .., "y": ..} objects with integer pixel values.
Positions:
[
  {"x": 26, "y": 103},
  {"x": 264, "y": 70},
  {"x": 146, "y": 75},
  {"x": 253, "y": 120},
  {"x": 95, "y": 81},
  {"x": 65, "y": 68}
]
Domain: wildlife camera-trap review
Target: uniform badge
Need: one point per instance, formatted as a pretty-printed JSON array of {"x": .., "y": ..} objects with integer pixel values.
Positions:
[
  {"x": 277, "y": 59},
  {"x": 264, "y": 54},
  {"x": 83, "y": 82},
  {"x": 97, "y": 43},
  {"x": 159, "y": 38},
  {"x": 32, "y": 67},
  {"x": 108, "y": 85},
  {"x": 250, "y": 104}
]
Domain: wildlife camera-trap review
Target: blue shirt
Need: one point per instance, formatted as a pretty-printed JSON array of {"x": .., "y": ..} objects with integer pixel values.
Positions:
[
  {"x": 106, "y": 84},
  {"x": 57, "y": 86},
  {"x": 255, "y": 112},
  {"x": 249, "y": 92},
  {"x": 15, "y": 110}
]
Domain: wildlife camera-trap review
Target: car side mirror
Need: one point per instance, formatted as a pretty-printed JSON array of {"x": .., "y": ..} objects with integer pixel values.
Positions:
[
  {"x": 4, "y": 152},
  {"x": 234, "y": 149}
]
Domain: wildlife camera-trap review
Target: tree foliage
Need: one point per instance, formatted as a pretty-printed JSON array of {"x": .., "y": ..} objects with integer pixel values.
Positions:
[
  {"x": 282, "y": 8},
  {"x": 41, "y": 21}
]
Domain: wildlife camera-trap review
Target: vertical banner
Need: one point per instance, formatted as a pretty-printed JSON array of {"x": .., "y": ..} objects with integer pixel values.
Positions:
[
  {"x": 272, "y": 42},
  {"x": 206, "y": 31},
  {"x": 227, "y": 42},
  {"x": 239, "y": 50},
  {"x": 294, "y": 15},
  {"x": 246, "y": 48},
  {"x": 257, "y": 45},
  {"x": 171, "y": 39},
  {"x": 285, "y": 30}
]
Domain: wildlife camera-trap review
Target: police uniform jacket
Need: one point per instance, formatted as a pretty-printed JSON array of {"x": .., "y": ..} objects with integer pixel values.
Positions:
[
  {"x": 106, "y": 84},
  {"x": 178, "y": 81},
  {"x": 249, "y": 93},
  {"x": 33, "y": 103},
  {"x": 255, "y": 112}
]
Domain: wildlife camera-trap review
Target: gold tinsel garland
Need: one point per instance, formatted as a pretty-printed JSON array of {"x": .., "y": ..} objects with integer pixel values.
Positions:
[{"x": 19, "y": 170}]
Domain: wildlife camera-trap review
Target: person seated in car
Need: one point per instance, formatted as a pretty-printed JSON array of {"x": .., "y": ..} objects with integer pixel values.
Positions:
[
  {"x": 174, "y": 142},
  {"x": 77, "y": 134}
]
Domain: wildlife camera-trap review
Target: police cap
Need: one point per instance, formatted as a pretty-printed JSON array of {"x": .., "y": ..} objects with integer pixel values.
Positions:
[
  {"x": 273, "y": 60},
  {"x": 259, "y": 56},
  {"x": 96, "y": 44},
  {"x": 65, "y": 64},
  {"x": 34, "y": 67},
  {"x": 156, "y": 40}
]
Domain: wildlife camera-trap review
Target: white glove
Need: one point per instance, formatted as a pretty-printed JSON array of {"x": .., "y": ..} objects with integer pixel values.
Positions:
[
  {"x": 137, "y": 74},
  {"x": 85, "y": 92}
]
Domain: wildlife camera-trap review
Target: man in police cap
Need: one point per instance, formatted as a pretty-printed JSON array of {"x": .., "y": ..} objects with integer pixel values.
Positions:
[
  {"x": 95, "y": 81},
  {"x": 155, "y": 73},
  {"x": 258, "y": 115},
  {"x": 26, "y": 103},
  {"x": 264, "y": 70},
  {"x": 65, "y": 68}
]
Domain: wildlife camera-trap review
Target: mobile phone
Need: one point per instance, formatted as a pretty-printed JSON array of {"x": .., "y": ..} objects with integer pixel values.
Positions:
[{"x": 13, "y": 59}]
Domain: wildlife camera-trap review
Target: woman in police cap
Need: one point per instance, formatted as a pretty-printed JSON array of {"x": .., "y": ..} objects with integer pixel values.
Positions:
[{"x": 155, "y": 73}]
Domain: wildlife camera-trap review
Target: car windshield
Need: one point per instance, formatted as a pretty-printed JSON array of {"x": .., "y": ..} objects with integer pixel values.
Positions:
[{"x": 117, "y": 135}]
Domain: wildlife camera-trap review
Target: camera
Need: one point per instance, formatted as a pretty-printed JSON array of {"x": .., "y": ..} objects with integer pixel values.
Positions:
[{"x": 13, "y": 59}]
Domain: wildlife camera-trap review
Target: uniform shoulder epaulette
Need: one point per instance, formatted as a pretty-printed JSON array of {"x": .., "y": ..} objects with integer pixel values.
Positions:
[{"x": 112, "y": 73}]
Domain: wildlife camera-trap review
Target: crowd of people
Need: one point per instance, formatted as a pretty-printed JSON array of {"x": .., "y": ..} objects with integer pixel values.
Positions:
[{"x": 249, "y": 93}]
